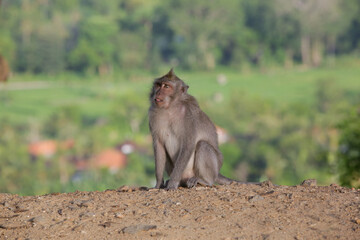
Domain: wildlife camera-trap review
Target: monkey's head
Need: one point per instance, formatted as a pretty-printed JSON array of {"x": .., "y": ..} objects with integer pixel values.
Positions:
[{"x": 167, "y": 89}]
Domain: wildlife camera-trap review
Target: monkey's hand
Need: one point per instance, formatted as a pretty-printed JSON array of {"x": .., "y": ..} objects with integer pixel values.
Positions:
[{"x": 172, "y": 185}]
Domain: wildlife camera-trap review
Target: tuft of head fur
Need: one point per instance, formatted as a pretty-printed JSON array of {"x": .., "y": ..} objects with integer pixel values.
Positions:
[{"x": 170, "y": 76}]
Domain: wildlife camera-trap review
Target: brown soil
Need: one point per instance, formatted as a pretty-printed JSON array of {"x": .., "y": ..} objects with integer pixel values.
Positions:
[{"x": 237, "y": 211}]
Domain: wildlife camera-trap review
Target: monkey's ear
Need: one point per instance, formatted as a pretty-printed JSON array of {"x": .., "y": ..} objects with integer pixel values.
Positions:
[{"x": 184, "y": 88}]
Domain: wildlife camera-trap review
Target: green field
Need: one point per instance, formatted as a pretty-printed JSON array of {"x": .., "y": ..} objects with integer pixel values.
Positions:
[
  {"x": 268, "y": 139},
  {"x": 35, "y": 98}
]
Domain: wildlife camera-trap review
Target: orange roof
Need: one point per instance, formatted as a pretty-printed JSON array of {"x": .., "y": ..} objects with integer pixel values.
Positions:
[
  {"x": 45, "y": 148},
  {"x": 111, "y": 158},
  {"x": 48, "y": 148}
]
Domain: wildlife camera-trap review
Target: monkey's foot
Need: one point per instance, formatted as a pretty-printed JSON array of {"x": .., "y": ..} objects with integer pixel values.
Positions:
[
  {"x": 163, "y": 185},
  {"x": 171, "y": 185},
  {"x": 191, "y": 182}
]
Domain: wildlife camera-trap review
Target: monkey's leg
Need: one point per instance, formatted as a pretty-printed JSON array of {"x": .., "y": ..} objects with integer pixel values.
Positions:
[
  {"x": 169, "y": 167},
  {"x": 160, "y": 161},
  {"x": 206, "y": 165}
]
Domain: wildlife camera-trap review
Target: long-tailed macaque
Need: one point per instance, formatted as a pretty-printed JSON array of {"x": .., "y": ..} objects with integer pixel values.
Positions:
[{"x": 184, "y": 138}]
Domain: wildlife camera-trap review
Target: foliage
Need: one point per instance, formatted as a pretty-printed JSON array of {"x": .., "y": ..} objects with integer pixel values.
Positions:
[
  {"x": 91, "y": 53},
  {"x": 63, "y": 123},
  {"x": 275, "y": 145},
  {"x": 349, "y": 151},
  {"x": 129, "y": 113},
  {"x": 98, "y": 37}
]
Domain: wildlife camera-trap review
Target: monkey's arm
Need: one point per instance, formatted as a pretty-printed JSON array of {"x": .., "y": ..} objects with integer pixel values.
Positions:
[{"x": 160, "y": 160}]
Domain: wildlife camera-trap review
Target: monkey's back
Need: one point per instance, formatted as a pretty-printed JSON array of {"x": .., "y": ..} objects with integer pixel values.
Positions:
[{"x": 200, "y": 122}]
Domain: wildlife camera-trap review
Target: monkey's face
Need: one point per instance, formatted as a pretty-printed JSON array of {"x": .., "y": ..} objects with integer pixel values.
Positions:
[{"x": 163, "y": 93}]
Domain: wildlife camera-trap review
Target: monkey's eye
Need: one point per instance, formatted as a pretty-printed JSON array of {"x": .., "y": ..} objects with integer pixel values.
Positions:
[{"x": 164, "y": 85}]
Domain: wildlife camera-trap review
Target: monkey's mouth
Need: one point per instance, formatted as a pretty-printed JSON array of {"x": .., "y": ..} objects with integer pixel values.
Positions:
[{"x": 158, "y": 100}]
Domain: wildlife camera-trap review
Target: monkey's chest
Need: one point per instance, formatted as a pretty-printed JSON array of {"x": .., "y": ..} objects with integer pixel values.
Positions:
[
  {"x": 170, "y": 134},
  {"x": 172, "y": 143}
]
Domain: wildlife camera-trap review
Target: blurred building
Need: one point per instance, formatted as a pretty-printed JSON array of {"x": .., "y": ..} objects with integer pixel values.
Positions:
[
  {"x": 48, "y": 148},
  {"x": 111, "y": 158}
]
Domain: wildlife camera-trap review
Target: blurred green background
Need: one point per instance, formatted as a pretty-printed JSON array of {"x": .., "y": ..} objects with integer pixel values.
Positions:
[{"x": 281, "y": 78}]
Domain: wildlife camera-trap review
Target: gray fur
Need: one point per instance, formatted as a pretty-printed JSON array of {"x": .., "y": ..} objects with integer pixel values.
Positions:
[{"x": 184, "y": 138}]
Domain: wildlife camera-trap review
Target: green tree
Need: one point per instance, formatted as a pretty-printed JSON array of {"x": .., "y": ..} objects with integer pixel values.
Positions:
[
  {"x": 136, "y": 40},
  {"x": 95, "y": 46},
  {"x": 50, "y": 49},
  {"x": 200, "y": 27},
  {"x": 320, "y": 23},
  {"x": 349, "y": 151},
  {"x": 327, "y": 95},
  {"x": 63, "y": 123},
  {"x": 129, "y": 113}
]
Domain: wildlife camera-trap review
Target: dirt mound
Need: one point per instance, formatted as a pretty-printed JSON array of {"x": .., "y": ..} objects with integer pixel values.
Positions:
[{"x": 237, "y": 211}]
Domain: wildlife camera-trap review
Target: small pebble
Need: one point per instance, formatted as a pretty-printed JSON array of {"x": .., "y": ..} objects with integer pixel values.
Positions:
[
  {"x": 136, "y": 228},
  {"x": 119, "y": 215},
  {"x": 309, "y": 183},
  {"x": 256, "y": 198}
]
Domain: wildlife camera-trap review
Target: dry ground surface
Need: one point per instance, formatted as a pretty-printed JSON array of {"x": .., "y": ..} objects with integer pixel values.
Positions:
[{"x": 237, "y": 211}]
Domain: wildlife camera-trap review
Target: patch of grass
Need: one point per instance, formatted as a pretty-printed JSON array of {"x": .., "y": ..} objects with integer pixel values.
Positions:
[
  {"x": 94, "y": 96},
  {"x": 281, "y": 86}
]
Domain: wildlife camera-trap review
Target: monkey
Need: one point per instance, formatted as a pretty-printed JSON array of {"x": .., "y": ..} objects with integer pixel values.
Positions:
[{"x": 184, "y": 138}]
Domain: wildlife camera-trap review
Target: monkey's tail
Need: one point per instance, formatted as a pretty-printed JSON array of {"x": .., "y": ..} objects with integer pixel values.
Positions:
[{"x": 222, "y": 180}]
